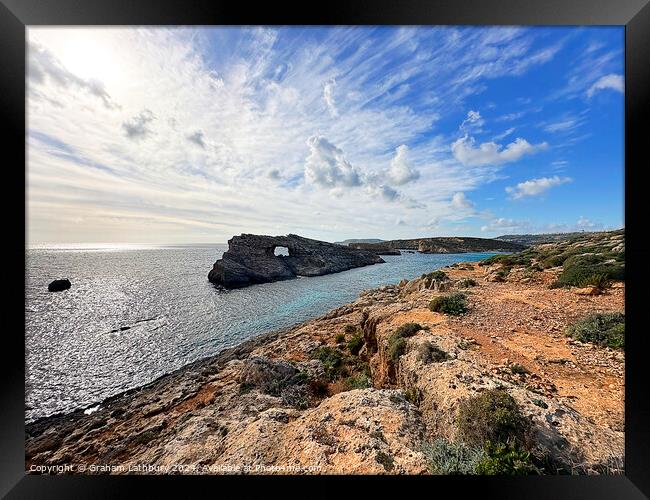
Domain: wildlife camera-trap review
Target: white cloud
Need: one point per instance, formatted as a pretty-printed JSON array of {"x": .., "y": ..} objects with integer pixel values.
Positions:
[
  {"x": 503, "y": 135},
  {"x": 535, "y": 187},
  {"x": 137, "y": 127},
  {"x": 611, "y": 81},
  {"x": 227, "y": 150},
  {"x": 506, "y": 225},
  {"x": 473, "y": 122},
  {"x": 400, "y": 172},
  {"x": 510, "y": 116},
  {"x": 459, "y": 200},
  {"x": 584, "y": 224},
  {"x": 328, "y": 95},
  {"x": 491, "y": 153},
  {"x": 326, "y": 165}
]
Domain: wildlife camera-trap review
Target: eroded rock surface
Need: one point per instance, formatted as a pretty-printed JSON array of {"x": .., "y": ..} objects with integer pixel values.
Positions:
[{"x": 251, "y": 259}]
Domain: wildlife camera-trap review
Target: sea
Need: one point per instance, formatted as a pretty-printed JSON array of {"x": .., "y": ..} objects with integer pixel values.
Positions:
[{"x": 136, "y": 312}]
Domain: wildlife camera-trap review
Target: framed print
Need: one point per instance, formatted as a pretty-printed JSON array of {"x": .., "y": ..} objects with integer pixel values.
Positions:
[{"x": 380, "y": 244}]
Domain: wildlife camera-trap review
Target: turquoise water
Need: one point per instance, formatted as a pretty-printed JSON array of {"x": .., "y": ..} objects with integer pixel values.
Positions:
[{"x": 170, "y": 315}]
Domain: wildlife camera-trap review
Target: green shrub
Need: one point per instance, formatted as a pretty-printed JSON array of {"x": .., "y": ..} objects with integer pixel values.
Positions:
[
  {"x": 502, "y": 273},
  {"x": 340, "y": 338},
  {"x": 515, "y": 259},
  {"x": 357, "y": 382},
  {"x": 385, "y": 459},
  {"x": 599, "y": 281},
  {"x": 580, "y": 269},
  {"x": 467, "y": 283},
  {"x": 553, "y": 261},
  {"x": 518, "y": 369},
  {"x": 503, "y": 459},
  {"x": 556, "y": 284},
  {"x": 332, "y": 359},
  {"x": 436, "y": 275},
  {"x": 454, "y": 304},
  {"x": 397, "y": 341},
  {"x": 350, "y": 329},
  {"x": 408, "y": 329},
  {"x": 396, "y": 347},
  {"x": 446, "y": 458},
  {"x": 604, "y": 329},
  {"x": 355, "y": 344},
  {"x": 413, "y": 395},
  {"x": 429, "y": 353},
  {"x": 495, "y": 259},
  {"x": 492, "y": 415}
]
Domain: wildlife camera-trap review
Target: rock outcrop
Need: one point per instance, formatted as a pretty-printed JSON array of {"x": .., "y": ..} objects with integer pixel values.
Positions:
[
  {"x": 59, "y": 285},
  {"x": 251, "y": 259}
]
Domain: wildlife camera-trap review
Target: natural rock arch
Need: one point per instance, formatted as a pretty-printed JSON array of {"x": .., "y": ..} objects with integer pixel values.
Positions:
[{"x": 251, "y": 259}]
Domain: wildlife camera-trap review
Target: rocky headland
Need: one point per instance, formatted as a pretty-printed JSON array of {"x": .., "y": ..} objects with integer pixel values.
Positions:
[
  {"x": 492, "y": 368},
  {"x": 251, "y": 259},
  {"x": 441, "y": 245}
]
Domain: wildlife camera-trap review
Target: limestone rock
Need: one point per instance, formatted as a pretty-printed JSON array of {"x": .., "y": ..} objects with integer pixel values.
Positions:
[{"x": 250, "y": 259}]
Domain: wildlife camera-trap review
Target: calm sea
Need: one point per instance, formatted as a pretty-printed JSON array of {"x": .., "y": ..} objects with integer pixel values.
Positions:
[{"x": 135, "y": 313}]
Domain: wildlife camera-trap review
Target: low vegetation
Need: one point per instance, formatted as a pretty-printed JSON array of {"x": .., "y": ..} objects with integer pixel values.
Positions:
[
  {"x": 414, "y": 395},
  {"x": 397, "y": 341},
  {"x": 360, "y": 381},
  {"x": 355, "y": 344},
  {"x": 590, "y": 270},
  {"x": 332, "y": 359},
  {"x": 446, "y": 458},
  {"x": 429, "y": 353},
  {"x": 594, "y": 259},
  {"x": 505, "y": 459},
  {"x": 467, "y": 283},
  {"x": 454, "y": 304},
  {"x": 491, "y": 416},
  {"x": 604, "y": 329},
  {"x": 436, "y": 275},
  {"x": 518, "y": 369}
]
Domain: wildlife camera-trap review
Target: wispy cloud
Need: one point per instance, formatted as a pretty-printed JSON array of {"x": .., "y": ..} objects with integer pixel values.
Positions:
[
  {"x": 328, "y": 95},
  {"x": 611, "y": 81},
  {"x": 209, "y": 131},
  {"x": 535, "y": 187}
]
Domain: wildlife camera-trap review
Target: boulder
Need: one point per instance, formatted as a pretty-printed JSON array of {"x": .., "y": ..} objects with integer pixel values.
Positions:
[
  {"x": 251, "y": 259},
  {"x": 59, "y": 285}
]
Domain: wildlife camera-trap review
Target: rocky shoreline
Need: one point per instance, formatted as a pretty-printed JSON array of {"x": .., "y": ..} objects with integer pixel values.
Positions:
[{"x": 329, "y": 396}]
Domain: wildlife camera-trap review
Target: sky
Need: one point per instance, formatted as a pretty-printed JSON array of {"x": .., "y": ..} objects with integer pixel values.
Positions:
[{"x": 196, "y": 134}]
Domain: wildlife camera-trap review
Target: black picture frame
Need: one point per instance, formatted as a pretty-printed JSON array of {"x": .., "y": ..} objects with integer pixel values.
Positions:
[{"x": 15, "y": 15}]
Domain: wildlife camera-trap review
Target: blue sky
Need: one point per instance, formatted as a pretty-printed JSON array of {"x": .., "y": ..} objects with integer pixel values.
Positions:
[{"x": 176, "y": 135}]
